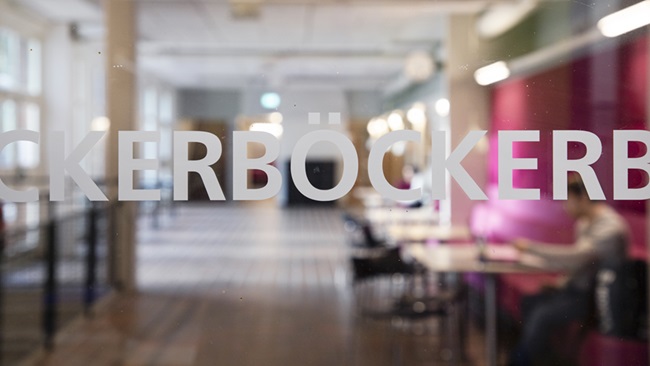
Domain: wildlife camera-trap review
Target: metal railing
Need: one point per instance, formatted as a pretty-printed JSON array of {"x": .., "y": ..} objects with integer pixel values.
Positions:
[
  {"x": 52, "y": 283},
  {"x": 53, "y": 271}
]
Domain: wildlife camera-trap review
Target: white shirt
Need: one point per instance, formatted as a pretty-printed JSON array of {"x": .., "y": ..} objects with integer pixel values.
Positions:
[{"x": 604, "y": 240}]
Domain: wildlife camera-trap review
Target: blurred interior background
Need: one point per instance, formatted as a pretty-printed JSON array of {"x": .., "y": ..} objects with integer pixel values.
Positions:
[{"x": 275, "y": 282}]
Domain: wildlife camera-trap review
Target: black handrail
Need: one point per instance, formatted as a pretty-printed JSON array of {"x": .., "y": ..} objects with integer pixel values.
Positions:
[
  {"x": 50, "y": 294},
  {"x": 51, "y": 225},
  {"x": 91, "y": 260}
]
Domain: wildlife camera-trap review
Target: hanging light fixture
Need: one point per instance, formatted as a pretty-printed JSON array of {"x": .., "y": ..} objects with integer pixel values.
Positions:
[
  {"x": 416, "y": 116},
  {"x": 395, "y": 121},
  {"x": 419, "y": 66},
  {"x": 377, "y": 127},
  {"x": 442, "y": 107}
]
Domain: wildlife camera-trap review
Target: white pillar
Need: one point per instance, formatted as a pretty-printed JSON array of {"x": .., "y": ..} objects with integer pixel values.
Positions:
[
  {"x": 469, "y": 108},
  {"x": 121, "y": 108}
]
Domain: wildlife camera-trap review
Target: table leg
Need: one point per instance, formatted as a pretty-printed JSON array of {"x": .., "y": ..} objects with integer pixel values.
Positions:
[{"x": 491, "y": 319}]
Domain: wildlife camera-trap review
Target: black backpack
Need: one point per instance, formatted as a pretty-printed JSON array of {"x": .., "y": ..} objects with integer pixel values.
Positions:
[{"x": 621, "y": 300}]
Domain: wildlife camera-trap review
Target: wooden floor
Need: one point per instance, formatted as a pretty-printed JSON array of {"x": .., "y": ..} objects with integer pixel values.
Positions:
[{"x": 245, "y": 285}]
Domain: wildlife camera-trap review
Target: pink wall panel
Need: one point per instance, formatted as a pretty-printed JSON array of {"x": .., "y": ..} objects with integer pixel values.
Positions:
[
  {"x": 600, "y": 92},
  {"x": 539, "y": 102}
]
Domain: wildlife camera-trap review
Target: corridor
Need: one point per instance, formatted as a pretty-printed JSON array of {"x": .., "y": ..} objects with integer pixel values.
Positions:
[{"x": 213, "y": 291}]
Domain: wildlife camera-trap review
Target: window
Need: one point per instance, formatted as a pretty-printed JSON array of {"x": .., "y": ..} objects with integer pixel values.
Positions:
[
  {"x": 9, "y": 59},
  {"x": 21, "y": 154},
  {"x": 7, "y": 123},
  {"x": 20, "y": 89},
  {"x": 20, "y": 63},
  {"x": 33, "y": 67},
  {"x": 28, "y": 152}
]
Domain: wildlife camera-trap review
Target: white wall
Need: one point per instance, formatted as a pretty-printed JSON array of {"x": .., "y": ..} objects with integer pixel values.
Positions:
[
  {"x": 17, "y": 20},
  {"x": 295, "y": 107},
  {"x": 224, "y": 105},
  {"x": 364, "y": 105}
]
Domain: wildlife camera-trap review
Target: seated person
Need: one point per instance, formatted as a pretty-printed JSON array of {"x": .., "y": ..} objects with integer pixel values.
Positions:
[{"x": 601, "y": 238}]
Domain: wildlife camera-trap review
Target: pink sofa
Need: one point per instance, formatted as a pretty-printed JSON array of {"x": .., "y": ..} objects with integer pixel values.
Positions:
[{"x": 600, "y": 350}]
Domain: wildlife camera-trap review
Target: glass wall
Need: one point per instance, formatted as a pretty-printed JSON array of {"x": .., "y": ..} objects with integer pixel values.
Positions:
[{"x": 366, "y": 182}]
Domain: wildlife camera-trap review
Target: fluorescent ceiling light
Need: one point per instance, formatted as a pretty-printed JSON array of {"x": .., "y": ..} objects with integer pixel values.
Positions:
[
  {"x": 625, "y": 20},
  {"x": 492, "y": 73},
  {"x": 501, "y": 17}
]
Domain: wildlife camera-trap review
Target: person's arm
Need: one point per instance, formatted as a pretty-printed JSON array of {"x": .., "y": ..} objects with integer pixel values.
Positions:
[
  {"x": 588, "y": 247},
  {"x": 570, "y": 256}
]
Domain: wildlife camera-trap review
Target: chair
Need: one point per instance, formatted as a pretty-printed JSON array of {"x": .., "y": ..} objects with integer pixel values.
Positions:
[
  {"x": 377, "y": 276},
  {"x": 385, "y": 286},
  {"x": 361, "y": 234}
]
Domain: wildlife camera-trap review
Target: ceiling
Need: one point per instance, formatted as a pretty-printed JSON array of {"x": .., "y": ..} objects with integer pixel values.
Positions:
[{"x": 352, "y": 44}]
